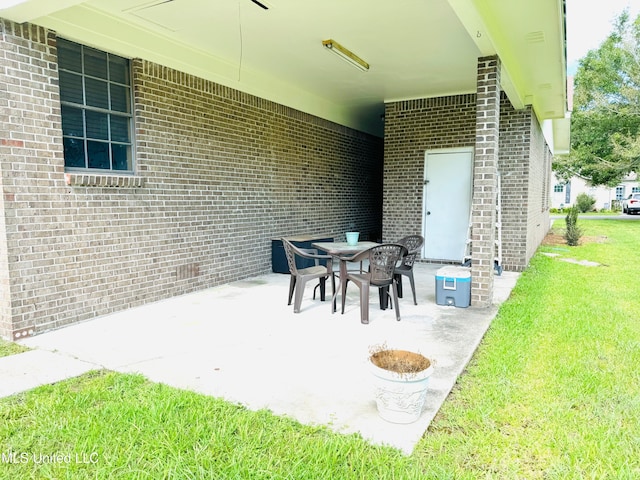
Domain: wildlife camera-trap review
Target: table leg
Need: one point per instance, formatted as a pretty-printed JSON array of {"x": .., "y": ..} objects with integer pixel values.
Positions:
[
  {"x": 334, "y": 292},
  {"x": 343, "y": 281},
  {"x": 334, "y": 298}
]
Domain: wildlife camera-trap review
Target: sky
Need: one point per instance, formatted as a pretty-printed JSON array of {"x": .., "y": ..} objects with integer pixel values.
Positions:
[{"x": 589, "y": 22}]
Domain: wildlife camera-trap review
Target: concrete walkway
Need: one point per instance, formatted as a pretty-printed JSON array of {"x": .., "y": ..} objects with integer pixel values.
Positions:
[{"x": 242, "y": 342}]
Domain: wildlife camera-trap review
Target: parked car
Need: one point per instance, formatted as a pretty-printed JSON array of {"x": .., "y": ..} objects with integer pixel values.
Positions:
[{"x": 631, "y": 204}]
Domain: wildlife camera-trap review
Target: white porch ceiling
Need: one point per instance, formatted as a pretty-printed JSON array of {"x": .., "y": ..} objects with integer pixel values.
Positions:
[{"x": 416, "y": 48}]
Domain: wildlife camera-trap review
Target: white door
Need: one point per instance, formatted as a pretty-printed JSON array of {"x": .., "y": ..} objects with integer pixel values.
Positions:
[{"x": 446, "y": 203}]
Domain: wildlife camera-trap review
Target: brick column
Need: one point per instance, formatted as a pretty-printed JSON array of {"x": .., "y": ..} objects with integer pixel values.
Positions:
[{"x": 485, "y": 172}]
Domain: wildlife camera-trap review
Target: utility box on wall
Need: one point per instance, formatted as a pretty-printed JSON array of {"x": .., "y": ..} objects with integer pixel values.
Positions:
[
  {"x": 453, "y": 286},
  {"x": 279, "y": 258}
]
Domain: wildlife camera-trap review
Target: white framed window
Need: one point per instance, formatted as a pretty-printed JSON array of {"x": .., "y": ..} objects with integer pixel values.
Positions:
[
  {"x": 619, "y": 192},
  {"x": 96, "y": 108},
  {"x": 558, "y": 188}
]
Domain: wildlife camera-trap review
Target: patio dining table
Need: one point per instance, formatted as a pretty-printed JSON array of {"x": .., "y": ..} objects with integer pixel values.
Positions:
[{"x": 343, "y": 252}]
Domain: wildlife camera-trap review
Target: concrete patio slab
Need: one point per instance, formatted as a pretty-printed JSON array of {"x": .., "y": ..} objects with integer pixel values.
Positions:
[
  {"x": 31, "y": 369},
  {"x": 243, "y": 343}
]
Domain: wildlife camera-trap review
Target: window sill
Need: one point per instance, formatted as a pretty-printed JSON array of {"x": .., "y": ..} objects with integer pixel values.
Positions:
[{"x": 102, "y": 180}]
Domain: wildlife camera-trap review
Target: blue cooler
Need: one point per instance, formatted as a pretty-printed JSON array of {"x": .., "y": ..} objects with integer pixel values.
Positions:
[{"x": 453, "y": 286}]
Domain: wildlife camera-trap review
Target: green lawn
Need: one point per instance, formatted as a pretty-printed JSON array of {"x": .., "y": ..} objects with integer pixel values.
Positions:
[
  {"x": 553, "y": 392},
  {"x": 9, "y": 348}
]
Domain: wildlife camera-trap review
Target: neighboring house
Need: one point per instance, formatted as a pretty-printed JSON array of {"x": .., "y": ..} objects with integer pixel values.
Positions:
[
  {"x": 150, "y": 149},
  {"x": 607, "y": 198}
]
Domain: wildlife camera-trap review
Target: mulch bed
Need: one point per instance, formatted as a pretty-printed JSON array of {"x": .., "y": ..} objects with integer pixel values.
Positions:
[{"x": 555, "y": 239}]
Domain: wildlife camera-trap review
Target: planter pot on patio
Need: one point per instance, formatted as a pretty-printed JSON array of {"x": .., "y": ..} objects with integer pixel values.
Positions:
[{"x": 401, "y": 379}]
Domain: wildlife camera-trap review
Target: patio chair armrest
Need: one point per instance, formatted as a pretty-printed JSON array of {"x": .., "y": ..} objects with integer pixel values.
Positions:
[{"x": 312, "y": 254}]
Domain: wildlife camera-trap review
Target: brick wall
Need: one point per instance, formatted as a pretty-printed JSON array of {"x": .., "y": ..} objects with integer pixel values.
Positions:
[
  {"x": 525, "y": 166},
  {"x": 412, "y": 127},
  {"x": 539, "y": 189},
  {"x": 485, "y": 176},
  {"x": 514, "y": 167},
  {"x": 34, "y": 214},
  {"x": 218, "y": 174}
]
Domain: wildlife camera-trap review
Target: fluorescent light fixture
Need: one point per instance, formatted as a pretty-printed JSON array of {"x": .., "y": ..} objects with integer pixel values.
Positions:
[{"x": 345, "y": 54}]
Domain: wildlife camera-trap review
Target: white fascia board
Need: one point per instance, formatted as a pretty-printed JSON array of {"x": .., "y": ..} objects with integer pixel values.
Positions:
[{"x": 21, "y": 11}]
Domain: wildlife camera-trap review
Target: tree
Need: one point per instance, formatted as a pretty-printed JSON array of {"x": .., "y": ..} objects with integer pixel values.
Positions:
[
  {"x": 605, "y": 123},
  {"x": 574, "y": 232}
]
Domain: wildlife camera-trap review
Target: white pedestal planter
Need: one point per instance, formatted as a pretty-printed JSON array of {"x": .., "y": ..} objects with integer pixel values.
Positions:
[{"x": 400, "y": 396}]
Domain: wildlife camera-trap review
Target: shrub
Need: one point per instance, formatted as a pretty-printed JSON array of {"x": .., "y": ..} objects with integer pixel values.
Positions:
[
  {"x": 585, "y": 202},
  {"x": 574, "y": 232}
]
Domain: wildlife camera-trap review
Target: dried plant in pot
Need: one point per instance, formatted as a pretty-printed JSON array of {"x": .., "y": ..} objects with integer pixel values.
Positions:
[{"x": 401, "y": 379}]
